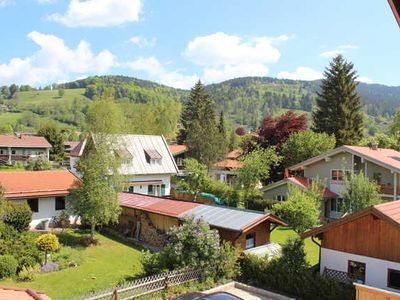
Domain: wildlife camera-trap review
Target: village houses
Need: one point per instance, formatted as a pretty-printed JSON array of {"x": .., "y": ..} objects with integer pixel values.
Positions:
[{"x": 378, "y": 164}]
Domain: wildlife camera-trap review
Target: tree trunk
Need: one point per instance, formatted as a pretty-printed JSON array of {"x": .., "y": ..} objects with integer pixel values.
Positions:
[
  {"x": 45, "y": 257},
  {"x": 92, "y": 229}
]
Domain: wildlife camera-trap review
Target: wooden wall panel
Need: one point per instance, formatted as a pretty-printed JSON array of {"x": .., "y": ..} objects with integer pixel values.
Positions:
[{"x": 368, "y": 236}]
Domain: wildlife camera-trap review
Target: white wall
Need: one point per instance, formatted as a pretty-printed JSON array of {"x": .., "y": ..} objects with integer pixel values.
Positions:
[
  {"x": 375, "y": 269},
  {"x": 47, "y": 210},
  {"x": 142, "y": 189}
]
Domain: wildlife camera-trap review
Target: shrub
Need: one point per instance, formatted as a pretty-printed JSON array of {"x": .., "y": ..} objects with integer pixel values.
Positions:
[
  {"x": 8, "y": 266},
  {"x": 291, "y": 274},
  {"x": 16, "y": 215},
  {"x": 39, "y": 163},
  {"x": 47, "y": 243},
  {"x": 28, "y": 273},
  {"x": 261, "y": 204},
  {"x": 63, "y": 219},
  {"x": 26, "y": 261}
]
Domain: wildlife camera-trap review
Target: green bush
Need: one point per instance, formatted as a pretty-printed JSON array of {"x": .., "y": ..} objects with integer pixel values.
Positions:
[
  {"x": 8, "y": 266},
  {"x": 28, "y": 273},
  {"x": 16, "y": 215},
  {"x": 290, "y": 274},
  {"x": 261, "y": 204},
  {"x": 47, "y": 243},
  {"x": 38, "y": 164},
  {"x": 26, "y": 261}
]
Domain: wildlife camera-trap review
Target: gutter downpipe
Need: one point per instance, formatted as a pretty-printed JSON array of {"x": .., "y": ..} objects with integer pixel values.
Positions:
[{"x": 319, "y": 252}]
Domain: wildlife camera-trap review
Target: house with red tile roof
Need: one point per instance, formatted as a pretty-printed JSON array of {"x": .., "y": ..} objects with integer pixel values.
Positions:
[
  {"x": 148, "y": 218},
  {"x": 224, "y": 170},
  {"x": 10, "y": 293},
  {"x": 378, "y": 164},
  {"x": 20, "y": 148},
  {"x": 46, "y": 192},
  {"x": 179, "y": 154},
  {"x": 362, "y": 247}
]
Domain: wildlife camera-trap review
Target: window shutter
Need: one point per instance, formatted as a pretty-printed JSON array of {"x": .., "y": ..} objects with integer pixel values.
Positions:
[{"x": 163, "y": 190}]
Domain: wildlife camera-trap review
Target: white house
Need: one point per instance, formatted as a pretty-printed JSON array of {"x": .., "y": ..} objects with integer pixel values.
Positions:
[
  {"x": 46, "y": 192},
  {"x": 363, "y": 246},
  {"x": 147, "y": 162}
]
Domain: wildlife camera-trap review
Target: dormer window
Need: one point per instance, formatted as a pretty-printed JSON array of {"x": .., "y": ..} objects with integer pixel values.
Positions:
[{"x": 152, "y": 156}]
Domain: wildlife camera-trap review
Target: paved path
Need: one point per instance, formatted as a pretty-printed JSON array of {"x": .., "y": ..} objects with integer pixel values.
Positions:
[{"x": 246, "y": 295}]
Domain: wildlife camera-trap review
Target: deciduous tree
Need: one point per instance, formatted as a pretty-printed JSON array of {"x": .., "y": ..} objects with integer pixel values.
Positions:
[
  {"x": 52, "y": 133},
  {"x": 359, "y": 193},
  {"x": 275, "y": 131},
  {"x": 304, "y": 145}
]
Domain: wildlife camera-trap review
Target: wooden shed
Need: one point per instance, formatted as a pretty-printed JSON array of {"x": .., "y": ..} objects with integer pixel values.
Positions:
[{"x": 149, "y": 218}]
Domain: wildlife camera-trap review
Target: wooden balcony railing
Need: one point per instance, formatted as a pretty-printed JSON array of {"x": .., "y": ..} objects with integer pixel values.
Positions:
[{"x": 388, "y": 189}]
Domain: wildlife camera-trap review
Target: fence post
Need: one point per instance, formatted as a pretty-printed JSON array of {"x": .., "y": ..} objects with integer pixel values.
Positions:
[
  {"x": 116, "y": 297},
  {"x": 166, "y": 283}
]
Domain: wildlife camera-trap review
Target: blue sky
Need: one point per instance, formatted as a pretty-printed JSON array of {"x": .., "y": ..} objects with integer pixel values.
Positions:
[{"x": 177, "y": 42}]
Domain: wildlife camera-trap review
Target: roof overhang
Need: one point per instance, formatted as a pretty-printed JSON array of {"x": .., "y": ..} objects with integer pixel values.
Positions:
[
  {"x": 35, "y": 194},
  {"x": 395, "y": 6},
  {"x": 341, "y": 149},
  {"x": 349, "y": 218}
]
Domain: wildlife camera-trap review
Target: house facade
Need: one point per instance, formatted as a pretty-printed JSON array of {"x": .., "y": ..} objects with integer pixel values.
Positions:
[
  {"x": 179, "y": 154},
  {"x": 148, "y": 218},
  {"x": 378, "y": 164},
  {"x": 147, "y": 163},
  {"x": 46, "y": 192},
  {"x": 363, "y": 246},
  {"x": 20, "y": 148},
  {"x": 225, "y": 170}
]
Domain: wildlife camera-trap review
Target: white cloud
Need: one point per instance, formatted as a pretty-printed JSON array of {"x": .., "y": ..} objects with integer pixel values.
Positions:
[
  {"x": 157, "y": 71},
  {"x": 142, "y": 42},
  {"x": 341, "y": 49},
  {"x": 54, "y": 61},
  {"x": 301, "y": 73},
  {"x": 5, "y": 2},
  {"x": 364, "y": 79},
  {"x": 233, "y": 71},
  {"x": 331, "y": 53},
  {"x": 220, "y": 49},
  {"x": 99, "y": 13},
  {"x": 224, "y": 56}
]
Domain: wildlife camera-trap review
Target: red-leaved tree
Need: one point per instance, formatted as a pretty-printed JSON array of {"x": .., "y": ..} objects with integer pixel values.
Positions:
[{"x": 275, "y": 131}]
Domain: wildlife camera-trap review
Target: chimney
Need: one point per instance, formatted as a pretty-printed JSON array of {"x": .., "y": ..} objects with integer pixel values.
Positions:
[{"x": 374, "y": 145}]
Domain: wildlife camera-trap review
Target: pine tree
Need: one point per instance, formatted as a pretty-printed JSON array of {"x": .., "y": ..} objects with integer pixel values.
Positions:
[
  {"x": 339, "y": 110},
  {"x": 200, "y": 129}
]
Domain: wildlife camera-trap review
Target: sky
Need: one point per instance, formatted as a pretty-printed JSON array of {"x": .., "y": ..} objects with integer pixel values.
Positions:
[{"x": 177, "y": 42}]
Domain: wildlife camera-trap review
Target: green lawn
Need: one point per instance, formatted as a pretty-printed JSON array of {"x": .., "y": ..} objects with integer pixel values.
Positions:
[
  {"x": 100, "y": 267},
  {"x": 38, "y": 97},
  {"x": 281, "y": 234}
]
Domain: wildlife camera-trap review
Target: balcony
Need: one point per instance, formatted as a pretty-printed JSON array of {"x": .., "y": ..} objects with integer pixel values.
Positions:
[{"x": 388, "y": 189}]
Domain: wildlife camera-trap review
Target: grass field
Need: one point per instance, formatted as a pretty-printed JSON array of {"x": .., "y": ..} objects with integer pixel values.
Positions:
[
  {"x": 100, "y": 267},
  {"x": 282, "y": 234},
  {"x": 37, "y": 97}
]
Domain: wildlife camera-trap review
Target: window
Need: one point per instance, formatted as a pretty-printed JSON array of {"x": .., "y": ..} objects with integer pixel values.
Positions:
[
  {"x": 131, "y": 189},
  {"x": 34, "y": 205},
  {"x": 336, "y": 205},
  {"x": 356, "y": 270},
  {"x": 60, "y": 203},
  {"x": 163, "y": 190},
  {"x": 12, "y": 151},
  {"x": 1, "y": 152},
  {"x": 179, "y": 161},
  {"x": 250, "y": 240},
  {"x": 393, "y": 279},
  {"x": 337, "y": 175},
  {"x": 150, "y": 190},
  {"x": 280, "y": 197},
  {"x": 377, "y": 177}
]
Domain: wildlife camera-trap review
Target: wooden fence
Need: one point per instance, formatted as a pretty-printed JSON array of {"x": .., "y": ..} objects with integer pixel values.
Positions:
[
  {"x": 145, "y": 286},
  {"x": 364, "y": 292}
]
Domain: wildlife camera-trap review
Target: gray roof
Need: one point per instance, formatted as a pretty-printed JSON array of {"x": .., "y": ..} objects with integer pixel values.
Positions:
[
  {"x": 137, "y": 145},
  {"x": 224, "y": 217}
]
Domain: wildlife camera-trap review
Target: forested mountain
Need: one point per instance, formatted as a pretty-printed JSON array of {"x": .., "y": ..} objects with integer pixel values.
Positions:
[{"x": 244, "y": 101}]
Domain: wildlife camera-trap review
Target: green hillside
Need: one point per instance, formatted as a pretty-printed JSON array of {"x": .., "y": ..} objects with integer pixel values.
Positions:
[{"x": 155, "y": 108}]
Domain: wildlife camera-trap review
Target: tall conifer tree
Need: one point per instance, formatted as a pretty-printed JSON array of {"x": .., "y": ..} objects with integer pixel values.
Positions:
[
  {"x": 339, "y": 109},
  {"x": 200, "y": 128}
]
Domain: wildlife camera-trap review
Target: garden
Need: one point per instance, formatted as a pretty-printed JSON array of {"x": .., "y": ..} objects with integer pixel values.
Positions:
[{"x": 61, "y": 264}]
